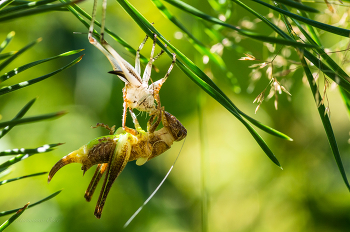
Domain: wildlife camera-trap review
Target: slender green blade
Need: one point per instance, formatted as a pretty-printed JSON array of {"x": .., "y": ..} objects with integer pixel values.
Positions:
[
  {"x": 20, "y": 114},
  {"x": 31, "y": 119},
  {"x": 23, "y": 155},
  {"x": 19, "y": 2},
  {"x": 4, "y": 213},
  {"x": 24, "y": 84},
  {"x": 346, "y": 98},
  {"x": 196, "y": 75},
  {"x": 25, "y": 6},
  {"x": 190, "y": 9},
  {"x": 4, "y": 3},
  {"x": 21, "y": 177},
  {"x": 41, "y": 149},
  {"x": 6, "y": 55},
  {"x": 326, "y": 123},
  {"x": 7, "y": 40},
  {"x": 193, "y": 40},
  {"x": 16, "y": 71},
  {"x": 37, "y": 10},
  {"x": 322, "y": 110},
  {"x": 5, "y": 172},
  {"x": 298, "y": 6},
  {"x": 322, "y": 26},
  {"x": 9, "y": 60},
  {"x": 13, "y": 218}
]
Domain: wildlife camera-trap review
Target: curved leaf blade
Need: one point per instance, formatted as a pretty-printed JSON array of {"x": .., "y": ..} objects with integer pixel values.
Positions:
[
  {"x": 13, "y": 218},
  {"x": 41, "y": 149},
  {"x": 38, "y": 10},
  {"x": 4, "y": 213},
  {"x": 298, "y": 5},
  {"x": 18, "y": 70},
  {"x": 20, "y": 114},
  {"x": 31, "y": 119},
  {"x": 24, "y": 84},
  {"x": 14, "y": 56},
  {"x": 25, "y": 6},
  {"x": 322, "y": 26},
  {"x": 326, "y": 124},
  {"x": 21, "y": 177},
  {"x": 7, "y": 40}
]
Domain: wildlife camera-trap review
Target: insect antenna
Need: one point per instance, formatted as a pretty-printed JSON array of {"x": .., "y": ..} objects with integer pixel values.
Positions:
[{"x": 154, "y": 192}]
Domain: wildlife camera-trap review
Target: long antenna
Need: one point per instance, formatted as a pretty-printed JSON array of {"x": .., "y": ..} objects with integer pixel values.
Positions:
[{"x": 154, "y": 192}]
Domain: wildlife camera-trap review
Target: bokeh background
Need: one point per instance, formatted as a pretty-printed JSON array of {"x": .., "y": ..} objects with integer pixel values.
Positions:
[{"x": 246, "y": 191}]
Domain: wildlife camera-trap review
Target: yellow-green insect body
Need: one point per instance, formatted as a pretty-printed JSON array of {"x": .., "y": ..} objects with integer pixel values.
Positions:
[{"x": 111, "y": 153}]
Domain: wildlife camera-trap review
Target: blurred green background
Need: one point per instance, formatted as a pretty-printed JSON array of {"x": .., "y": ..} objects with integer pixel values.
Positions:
[{"x": 246, "y": 191}]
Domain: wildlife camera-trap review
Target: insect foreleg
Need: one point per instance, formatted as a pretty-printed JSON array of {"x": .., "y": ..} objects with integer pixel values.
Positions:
[
  {"x": 91, "y": 28},
  {"x": 103, "y": 21},
  {"x": 147, "y": 72},
  {"x": 111, "y": 129},
  {"x": 137, "y": 59},
  {"x": 151, "y": 125},
  {"x": 158, "y": 84}
]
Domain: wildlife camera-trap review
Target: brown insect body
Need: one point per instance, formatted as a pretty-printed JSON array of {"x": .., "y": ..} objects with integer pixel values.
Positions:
[{"x": 113, "y": 152}]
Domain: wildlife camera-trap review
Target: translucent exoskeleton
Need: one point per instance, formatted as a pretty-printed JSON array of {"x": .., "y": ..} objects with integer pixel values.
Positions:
[
  {"x": 112, "y": 152},
  {"x": 137, "y": 93}
]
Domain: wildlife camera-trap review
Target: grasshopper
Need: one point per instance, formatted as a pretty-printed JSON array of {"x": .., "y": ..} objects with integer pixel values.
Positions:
[{"x": 112, "y": 152}]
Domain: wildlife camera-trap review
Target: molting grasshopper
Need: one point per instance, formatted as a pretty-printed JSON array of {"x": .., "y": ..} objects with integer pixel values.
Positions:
[
  {"x": 112, "y": 152},
  {"x": 137, "y": 93}
]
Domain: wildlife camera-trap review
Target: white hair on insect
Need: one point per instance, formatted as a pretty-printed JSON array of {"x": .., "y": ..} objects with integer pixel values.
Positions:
[{"x": 154, "y": 192}]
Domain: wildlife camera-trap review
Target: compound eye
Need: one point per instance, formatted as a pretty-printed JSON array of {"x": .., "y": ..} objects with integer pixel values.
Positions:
[{"x": 179, "y": 134}]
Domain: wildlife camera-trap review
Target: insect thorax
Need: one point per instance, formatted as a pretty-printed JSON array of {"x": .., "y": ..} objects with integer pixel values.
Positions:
[{"x": 140, "y": 98}]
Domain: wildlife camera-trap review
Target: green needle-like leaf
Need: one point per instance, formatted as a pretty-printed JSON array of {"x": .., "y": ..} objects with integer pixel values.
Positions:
[
  {"x": 325, "y": 27},
  {"x": 20, "y": 114},
  {"x": 5, "y": 172},
  {"x": 25, "y": 6},
  {"x": 4, "y": 3},
  {"x": 298, "y": 5},
  {"x": 190, "y": 9},
  {"x": 6, "y": 55},
  {"x": 23, "y": 155},
  {"x": 16, "y": 71},
  {"x": 326, "y": 123},
  {"x": 196, "y": 43},
  {"x": 14, "y": 56},
  {"x": 3, "y": 213},
  {"x": 37, "y": 10},
  {"x": 21, "y": 85},
  {"x": 41, "y": 149},
  {"x": 21, "y": 177},
  {"x": 31, "y": 119},
  {"x": 7, "y": 41},
  {"x": 13, "y": 218}
]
